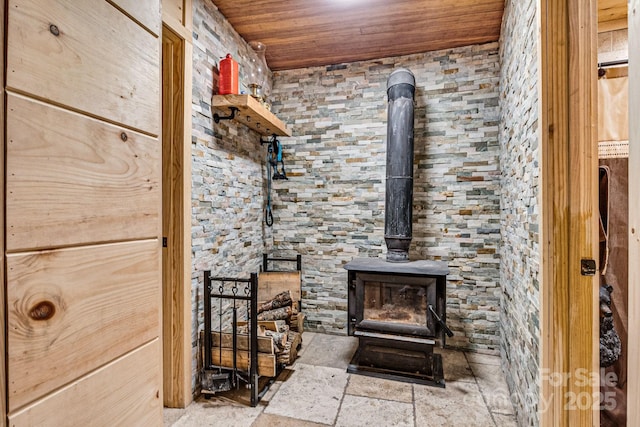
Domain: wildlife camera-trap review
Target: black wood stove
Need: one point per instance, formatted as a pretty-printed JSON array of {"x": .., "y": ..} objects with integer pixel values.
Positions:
[
  {"x": 397, "y": 311},
  {"x": 397, "y": 307}
]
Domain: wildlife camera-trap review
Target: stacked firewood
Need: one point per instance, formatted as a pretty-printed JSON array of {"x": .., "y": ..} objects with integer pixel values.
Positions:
[
  {"x": 277, "y": 308},
  {"x": 281, "y": 319}
]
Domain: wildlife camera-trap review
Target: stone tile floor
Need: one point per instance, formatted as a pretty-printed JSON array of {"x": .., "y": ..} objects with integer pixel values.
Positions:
[{"x": 317, "y": 391}]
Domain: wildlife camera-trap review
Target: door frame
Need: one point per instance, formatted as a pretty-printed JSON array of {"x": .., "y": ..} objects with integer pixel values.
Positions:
[
  {"x": 569, "y": 348},
  {"x": 3, "y": 282},
  {"x": 177, "y": 345},
  {"x": 633, "y": 359}
]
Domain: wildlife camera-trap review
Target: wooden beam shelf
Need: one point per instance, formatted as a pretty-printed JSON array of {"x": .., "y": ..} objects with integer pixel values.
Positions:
[{"x": 251, "y": 113}]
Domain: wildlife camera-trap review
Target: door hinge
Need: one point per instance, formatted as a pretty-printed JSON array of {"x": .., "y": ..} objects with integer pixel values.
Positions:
[
  {"x": 588, "y": 267},
  {"x": 164, "y": 242}
]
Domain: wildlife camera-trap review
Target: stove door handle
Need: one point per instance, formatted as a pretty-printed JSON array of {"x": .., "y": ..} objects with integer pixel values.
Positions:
[{"x": 441, "y": 322}]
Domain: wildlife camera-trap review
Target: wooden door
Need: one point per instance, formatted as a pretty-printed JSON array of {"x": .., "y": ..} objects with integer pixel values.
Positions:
[{"x": 83, "y": 207}]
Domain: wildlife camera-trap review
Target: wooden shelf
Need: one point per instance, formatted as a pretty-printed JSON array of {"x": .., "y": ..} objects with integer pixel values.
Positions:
[{"x": 251, "y": 113}]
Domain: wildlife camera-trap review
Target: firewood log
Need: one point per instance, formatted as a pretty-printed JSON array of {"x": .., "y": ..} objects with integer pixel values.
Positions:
[
  {"x": 277, "y": 314},
  {"x": 283, "y": 299},
  {"x": 290, "y": 352},
  {"x": 281, "y": 326},
  {"x": 279, "y": 339}
]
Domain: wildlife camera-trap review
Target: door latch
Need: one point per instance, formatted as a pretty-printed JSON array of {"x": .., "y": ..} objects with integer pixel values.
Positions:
[{"x": 588, "y": 267}]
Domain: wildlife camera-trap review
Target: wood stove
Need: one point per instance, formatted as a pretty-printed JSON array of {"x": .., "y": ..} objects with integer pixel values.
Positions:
[
  {"x": 397, "y": 307},
  {"x": 397, "y": 311}
]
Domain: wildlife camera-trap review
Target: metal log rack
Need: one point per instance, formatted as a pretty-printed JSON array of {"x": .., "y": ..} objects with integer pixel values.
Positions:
[{"x": 215, "y": 377}]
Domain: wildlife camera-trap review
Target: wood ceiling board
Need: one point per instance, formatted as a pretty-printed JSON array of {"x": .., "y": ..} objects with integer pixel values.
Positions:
[
  {"x": 399, "y": 51},
  {"x": 300, "y": 33},
  {"x": 612, "y": 10}
]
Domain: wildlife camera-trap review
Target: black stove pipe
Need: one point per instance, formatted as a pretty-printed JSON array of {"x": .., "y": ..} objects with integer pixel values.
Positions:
[{"x": 399, "y": 184}]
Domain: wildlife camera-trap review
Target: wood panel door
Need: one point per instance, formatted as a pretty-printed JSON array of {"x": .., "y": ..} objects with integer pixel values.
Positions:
[{"x": 83, "y": 208}]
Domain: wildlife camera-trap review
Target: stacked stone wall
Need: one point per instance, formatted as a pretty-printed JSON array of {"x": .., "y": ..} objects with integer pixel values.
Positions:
[
  {"x": 520, "y": 206},
  {"x": 332, "y": 207},
  {"x": 228, "y": 172}
]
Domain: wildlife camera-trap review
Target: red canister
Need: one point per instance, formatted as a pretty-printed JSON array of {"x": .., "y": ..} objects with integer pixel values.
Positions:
[{"x": 228, "y": 83}]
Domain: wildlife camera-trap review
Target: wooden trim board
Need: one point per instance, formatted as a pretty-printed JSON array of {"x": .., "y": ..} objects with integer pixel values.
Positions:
[
  {"x": 81, "y": 69},
  {"x": 145, "y": 12},
  {"x": 123, "y": 393},
  {"x": 633, "y": 386},
  {"x": 3, "y": 326},
  {"x": 569, "y": 196},
  {"x": 177, "y": 17},
  {"x": 103, "y": 302},
  {"x": 96, "y": 186},
  {"x": 582, "y": 171},
  {"x": 176, "y": 129}
]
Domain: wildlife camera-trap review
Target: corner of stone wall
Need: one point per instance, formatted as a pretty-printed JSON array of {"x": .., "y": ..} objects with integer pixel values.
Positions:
[
  {"x": 228, "y": 172},
  {"x": 520, "y": 207}
]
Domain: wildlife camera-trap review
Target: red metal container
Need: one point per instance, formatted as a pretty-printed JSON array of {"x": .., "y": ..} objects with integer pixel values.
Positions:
[{"x": 228, "y": 83}]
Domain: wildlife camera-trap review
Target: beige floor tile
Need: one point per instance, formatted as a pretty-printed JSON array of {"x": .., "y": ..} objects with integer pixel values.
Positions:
[
  {"x": 459, "y": 404},
  {"x": 333, "y": 351},
  {"x": 307, "y": 339},
  {"x": 171, "y": 415},
  {"x": 270, "y": 420},
  {"x": 493, "y": 387},
  {"x": 505, "y": 420},
  {"x": 486, "y": 359},
  {"x": 312, "y": 393},
  {"x": 359, "y": 411},
  {"x": 273, "y": 389},
  {"x": 218, "y": 412},
  {"x": 455, "y": 365},
  {"x": 360, "y": 385},
  {"x": 317, "y": 391}
]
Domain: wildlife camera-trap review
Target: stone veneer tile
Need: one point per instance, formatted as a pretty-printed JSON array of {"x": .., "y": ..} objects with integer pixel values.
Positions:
[
  {"x": 228, "y": 173},
  {"x": 357, "y": 411},
  {"x": 312, "y": 393},
  {"x": 378, "y": 388},
  {"x": 520, "y": 160},
  {"x": 332, "y": 207}
]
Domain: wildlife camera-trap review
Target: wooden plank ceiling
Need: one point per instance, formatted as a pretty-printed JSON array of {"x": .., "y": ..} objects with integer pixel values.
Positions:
[
  {"x": 305, "y": 33},
  {"x": 612, "y": 15}
]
